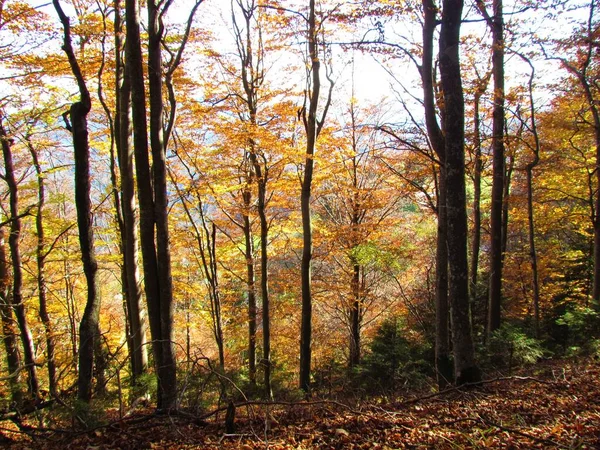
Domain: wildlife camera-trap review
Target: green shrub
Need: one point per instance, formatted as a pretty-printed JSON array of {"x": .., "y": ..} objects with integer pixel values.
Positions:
[
  {"x": 510, "y": 346},
  {"x": 581, "y": 324},
  {"x": 396, "y": 358}
]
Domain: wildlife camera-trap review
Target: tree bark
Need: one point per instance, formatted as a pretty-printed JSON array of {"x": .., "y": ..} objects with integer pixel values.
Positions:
[
  {"x": 250, "y": 287},
  {"x": 310, "y": 124},
  {"x": 496, "y": 25},
  {"x": 15, "y": 254},
  {"x": 465, "y": 369},
  {"x": 9, "y": 332},
  {"x": 41, "y": 274},
  {"x": 157, "y": 279},
  {"x": 436, "y": 138},
  {"x": 89, "y": 325},
  {"x": 129, "y": 235},
  {"x": 167, "y": 369}
]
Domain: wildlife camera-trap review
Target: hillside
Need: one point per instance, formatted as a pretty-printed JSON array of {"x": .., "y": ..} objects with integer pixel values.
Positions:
[{"x": 552, "y": 405}]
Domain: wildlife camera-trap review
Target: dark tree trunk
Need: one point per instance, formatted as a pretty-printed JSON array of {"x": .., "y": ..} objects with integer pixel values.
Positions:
[
  {"x": 41, "y": 275},
  {"x": 159, "y": 309},
  {"x": 355, "y": 316},
  {"x": 310, "y": 124},
  {"x": 442, "y": 344},
  {"x": 496, "y": 25},
  {"x": 250, "y": 287},
  {"x": 89, "y": 325},
  {"x": 129, "y": 236},
  {"x": 477, "y": 170},
  {"x": 465, "y": 369},
  {"x": 9, "y": 331},
  {"x": 167, "y": 368},
  {"x": 15, "y": 254}
]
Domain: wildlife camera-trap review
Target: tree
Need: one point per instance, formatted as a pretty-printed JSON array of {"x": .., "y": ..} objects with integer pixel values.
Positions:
[
  {"x": 76, "y": 123},
  {"x": 313, "y": 126},
  {"x": 582, "y": 65},
  {"x": 465, "y": 369},
  {"x": 496, "y": 25},
  {"x": 17, "y": 270}
]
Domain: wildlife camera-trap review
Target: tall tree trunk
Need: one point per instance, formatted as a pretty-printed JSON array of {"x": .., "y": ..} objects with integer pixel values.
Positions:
[
  {"x": 253, "y": 75},
  {"x": 129, "y": 235},
  {"x": 465, "y": 369},
  {"x": 436, "y": 138},
  {"x": 164, "y": 362},
  {"x": 41, "y": 274},
  {"x": 15, "y": 254},
  {"x": 310, "y": 124},
  {"x": 250, "y": 286},
  {"x": 9, "y": 331},
  {"x": 496, "y": 25},
  {"x": 530, "y": 211},
  {"x": 167, "y": 369},
  {"x": 89, "y": 325},
  {"x": 477, "y": 170}
]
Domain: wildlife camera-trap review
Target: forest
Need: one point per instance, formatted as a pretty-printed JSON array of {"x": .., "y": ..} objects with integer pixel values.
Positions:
[{"x": 382, "y": 216}]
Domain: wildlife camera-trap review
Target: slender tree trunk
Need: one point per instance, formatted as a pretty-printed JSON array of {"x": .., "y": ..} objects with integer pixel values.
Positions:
[
  {"x": 9, "y": 331},
  {"x": 156, "y": 280},
  {"x": 496, "y": 24},
  {"x": 436, "y": 138},
  {"x": 89, "y": 325},
  {"x": 465, "y": 369},
  {"x": 250, "y": 287},
  {"x": 129, "y": 236},
  {"x": 310, "y": 124},
  {"x": 15, "y": 253},
  {"x": 355, "y": 316},
  {"x": 167, "y": 369},
  {"x": 41, "y": 275},
  {"x": 477, "y": 169},
  {"x": 505, "y": 199},
  {"x": 530, "y": 210}
]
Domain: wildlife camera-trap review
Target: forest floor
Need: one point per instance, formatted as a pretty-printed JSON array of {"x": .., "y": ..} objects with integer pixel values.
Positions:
[{"x": 555, "y": 404}]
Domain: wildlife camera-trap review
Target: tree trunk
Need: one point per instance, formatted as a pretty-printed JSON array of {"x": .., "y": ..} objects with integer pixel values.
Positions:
[
  {"x": 88, "y": 327},
  {"x": 496, "y": 24},
  {"x": 465, "y": 369},
  {"x": 436, "y": 138},
  {"x": 167, "y": 369},
  {"x": 477, "y": 170},
  {"x": 15, "y": 253},
  {"x": 156, "y": 281},
  {"x": 129, "y": 236},
  {"x": 41, "y": 275},
  {"x": 310, "y": 124},
  {"x": 250, "y": 287},
  {"x": 9, "y": 332}
]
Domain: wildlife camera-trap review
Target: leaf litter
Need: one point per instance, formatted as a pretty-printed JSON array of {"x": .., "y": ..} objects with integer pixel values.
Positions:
[{"x": 556, "y": 405}]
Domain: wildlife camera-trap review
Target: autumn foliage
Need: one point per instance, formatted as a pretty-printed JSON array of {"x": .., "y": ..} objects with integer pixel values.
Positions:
[{"x": 262, "y": 220}]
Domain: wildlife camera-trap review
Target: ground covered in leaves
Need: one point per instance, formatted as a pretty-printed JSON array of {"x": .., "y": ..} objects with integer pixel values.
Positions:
[{"x": 554, "y": 405}]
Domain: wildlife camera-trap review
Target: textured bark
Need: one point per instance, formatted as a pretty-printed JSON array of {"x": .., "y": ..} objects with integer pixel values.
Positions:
[
  {"x": 15, "y": 256},
  {"x": 9, "y": 328},
  {"x": 129, "y": 235},
  {"x": 465, "y": 369},
  {"x": 250, "y": 287},
  {"x": 496, "y": 25},
  {"x": 253, "y": 75},
  {"x": 157, "y": 278},
  {"x": 442, "y": 341},
  {"x": 167, "y": 369},
  {"x": 310, "y": 125},
  {"x": 41, "y": 275},
  {"x": 477, "y": 170},
  {"x": 88, "y": 327}
]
